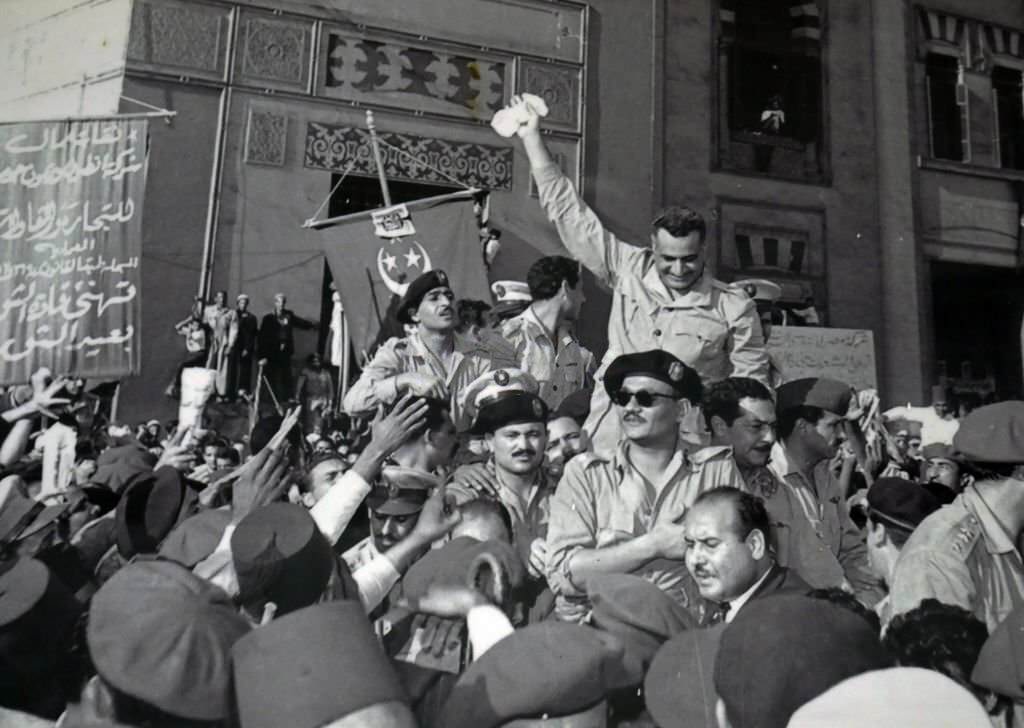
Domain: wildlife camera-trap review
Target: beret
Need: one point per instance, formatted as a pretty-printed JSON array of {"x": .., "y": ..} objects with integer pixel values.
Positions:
[
  {"x": 679, "y": 689},
  {"x": 312, "y": 667},
  {"x": 281, "y": 556},
  {"x": 163, "y": 636},
  {"x": 1000, "y": 665},
  {"x": 401, "y": 491},
  {"x": 549, "y": 668},
  {"x": 151, "y": 505},
  {"x": 418, "y": 289},
  {"x": 941, "y": 451},
  {"x": 656, "y": 364},
  {"x": 575, "y": 406},
  {"x": 827, "y": 394},
  {"x": 809, "y": 645},
  {"x": 993, "y": 434},
  {"x": 509, "y": 408},
  {"x": 901, "y": 503},
  {"x": 909, "y": 697},
  {"x": 640, "y": 614}
]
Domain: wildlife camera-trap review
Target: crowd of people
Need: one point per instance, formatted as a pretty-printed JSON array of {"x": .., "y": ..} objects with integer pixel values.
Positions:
[{"x": 495, "y": 529}]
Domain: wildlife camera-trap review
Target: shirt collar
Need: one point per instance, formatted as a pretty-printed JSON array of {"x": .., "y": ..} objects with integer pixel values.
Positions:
[
  {"x": 736, "y": 604},
  {"x": 996, "y": 539},
  {"x": 780, "y": 462},
  {"x": 709, "y": 453},
  {"x": 698, "y": 295},
  {"x": 680, "y": 459}
]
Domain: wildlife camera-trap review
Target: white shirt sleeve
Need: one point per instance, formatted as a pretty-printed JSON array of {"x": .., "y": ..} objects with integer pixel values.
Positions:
[
  {"x": 487, "y": 626},
  {"x": 334, "y": 511},
  {"x": 374, "y": 580},
  {"x": 219, "y": 567}
]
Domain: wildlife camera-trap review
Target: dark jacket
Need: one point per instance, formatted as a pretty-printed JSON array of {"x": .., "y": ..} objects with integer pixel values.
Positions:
[
  {"x": 779, "y": 580},
  {"x": 277, "y": 335}
]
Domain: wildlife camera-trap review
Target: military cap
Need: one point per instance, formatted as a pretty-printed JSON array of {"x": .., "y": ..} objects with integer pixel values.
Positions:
[
  {"x": 827, "y": 394},
  {"x": 509, "y": 291},
  {"x": 656, "y": 364},
  {"x": 550, "y": 669},
  {"x": 993, "y": 434},
  {"x": 312, "y": 667},
  {"x": 640, "y": 614},
  {"x": 896, "y": 426},
  {"x": 280, "y": 556},
  {"x": 1000, "y": 665},
  {"x": 908, "y": 697},
  {"x": 784, "y": 650},
  {"x": 940, "y": 451},
  {"x": 419, "y": 288},
  {"x": 576, "y": 406},
  {"x": 511, "y": 408},
  {"x": 493, "y": 384},
  {"x": 163, "y": 636},
  {"x": 679, "y": 689},
  {"x": 151, "y": 505},
  {"x": 900, "y": 503},
  {"x": 764, "y": 293},
  {"x": 196, "y": 537},
  {"x": 401, "y": 491}
]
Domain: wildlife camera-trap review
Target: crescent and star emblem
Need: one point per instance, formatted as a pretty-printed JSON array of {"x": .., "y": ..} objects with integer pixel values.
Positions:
[{"x": 417, "y": 257}]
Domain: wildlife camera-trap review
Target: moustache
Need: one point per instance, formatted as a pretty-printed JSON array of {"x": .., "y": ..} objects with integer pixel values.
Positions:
[
  {"x": 527, "y": 453},
  {"x": 632, "y": 417}
]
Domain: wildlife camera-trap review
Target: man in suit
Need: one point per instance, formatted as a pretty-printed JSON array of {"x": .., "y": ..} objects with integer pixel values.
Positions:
[
  {"x": 277, "y": 344},
  {"x": 728, "y": 555},
  {"x": 243, "y": 348}
]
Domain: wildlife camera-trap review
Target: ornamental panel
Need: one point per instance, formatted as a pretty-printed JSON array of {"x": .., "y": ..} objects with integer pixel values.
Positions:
[
  {"x": 266, "y": 137},
  {"x": 559, "y": 86},
  {"x": 179, "y": 38},
  {"x": 274, "y": 52},
  {"x": 408, "y": 157}
]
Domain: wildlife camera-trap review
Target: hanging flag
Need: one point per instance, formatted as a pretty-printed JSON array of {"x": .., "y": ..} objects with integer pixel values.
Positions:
[{"x": 374, "y": 255}]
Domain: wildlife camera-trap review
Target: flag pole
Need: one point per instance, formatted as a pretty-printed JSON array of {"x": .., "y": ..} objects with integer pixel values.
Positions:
[{"x": 375, "y": 144}]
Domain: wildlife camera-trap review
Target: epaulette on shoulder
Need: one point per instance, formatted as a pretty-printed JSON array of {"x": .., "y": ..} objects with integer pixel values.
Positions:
[
  {"x": 590, "y": 459},
  {"x": 966, "y": 533}
]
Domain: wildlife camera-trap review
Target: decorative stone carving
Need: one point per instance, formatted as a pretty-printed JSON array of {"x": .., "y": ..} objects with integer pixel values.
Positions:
[
  {"x": 266, "y": 137},
  {"x": 559, "y": 86},
  {"x": 387, "y": 72},
  {"x": 335, "y": 148},
  {"x": 178, "y": 37},
  {"x": 274, "y": 50}
]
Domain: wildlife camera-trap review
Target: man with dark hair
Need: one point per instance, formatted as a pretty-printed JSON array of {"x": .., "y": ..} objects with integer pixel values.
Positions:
[
  {"x": 623, "y": 515},
  {"x": 939, "y": 637},
  {"x": 431, "y": 362},
  {"x": 543, "y": 335},
  {"x": 942, "y": 471},
  {"x": 826, "y": 547},
  {"x": 728, "y": 552},
  {"x": 965, "y": 554},
  {"x": 663, "y": 296}
]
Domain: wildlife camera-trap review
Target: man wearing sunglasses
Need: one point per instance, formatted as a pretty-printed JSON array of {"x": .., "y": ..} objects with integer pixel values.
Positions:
[
  {"x": 623, "y": 514},
  {"x": 662, "y": 295}
]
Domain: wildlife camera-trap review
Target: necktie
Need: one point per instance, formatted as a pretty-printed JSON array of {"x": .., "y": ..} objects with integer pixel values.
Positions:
[{"x": 719, "y": 616}]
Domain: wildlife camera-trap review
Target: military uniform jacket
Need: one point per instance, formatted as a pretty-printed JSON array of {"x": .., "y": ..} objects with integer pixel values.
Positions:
[
  {"x": 960, "y": 555},
  {"x": 377, "y": 385},
  {"x": 713, "y": 327},
  {"x": 561, "y": 368},
  {"x": 604, "y": 502},
  {"x": 823, "y": 544}
]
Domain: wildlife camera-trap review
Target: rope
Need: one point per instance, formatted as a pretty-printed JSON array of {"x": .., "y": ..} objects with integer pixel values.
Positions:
[
  {"x": 429, "y": 166},
  {"x": 333, "y": 190}
]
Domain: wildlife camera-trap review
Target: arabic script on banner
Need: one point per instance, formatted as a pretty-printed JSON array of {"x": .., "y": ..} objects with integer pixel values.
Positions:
[
  {"x": 70, "y": 245},
  {"x": 844, "y": 354}
]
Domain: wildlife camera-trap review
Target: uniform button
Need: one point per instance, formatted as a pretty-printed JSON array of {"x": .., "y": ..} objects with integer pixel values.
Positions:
[
  {"x": 657, "y": 332},
  {"x": 554, "y": 387}
]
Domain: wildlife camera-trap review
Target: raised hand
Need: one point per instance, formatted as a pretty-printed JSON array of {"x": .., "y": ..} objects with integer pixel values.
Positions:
[
  {"x": 176, "y": 453},
  {"x": 389, "y": 432},
  {"x": 264, "y": 481}
]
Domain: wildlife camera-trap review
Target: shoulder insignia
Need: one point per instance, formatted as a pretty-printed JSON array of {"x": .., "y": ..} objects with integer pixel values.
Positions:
[
  {"x": 965, "y": 534},
  {"x": 763, "y": 483},
  {"x": 501, "y": 377},
  {"x": 401, "y": 345}
]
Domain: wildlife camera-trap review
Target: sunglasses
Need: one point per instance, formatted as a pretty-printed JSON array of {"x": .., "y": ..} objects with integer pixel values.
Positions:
[{"x": 643, "y": 397}]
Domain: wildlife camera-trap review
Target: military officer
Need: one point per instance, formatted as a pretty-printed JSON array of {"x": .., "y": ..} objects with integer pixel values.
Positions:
[
  {"x": 623, "y": 514},
  {"x": 965, "y": 554},
  {"x": 432, "y": 361},
  {"x": 663, "y": 296},
  {"x": 543, "y": 335}
]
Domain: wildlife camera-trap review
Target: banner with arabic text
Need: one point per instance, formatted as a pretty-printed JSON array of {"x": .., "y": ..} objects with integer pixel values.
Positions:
[{"x": 71, "y": 198}]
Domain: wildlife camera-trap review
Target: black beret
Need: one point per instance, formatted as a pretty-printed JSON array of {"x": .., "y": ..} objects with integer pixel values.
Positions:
[
  {"x": 417, "y": 290},
  {"x": 993, "y": 434},
  {"x": 827, "y": 394},
  {"x": 900, "y": 503},
  {"x": 149, "y": 509},
  {"x": 656, "y": 364},
  {"x": 508, "y": 408},
  {"x": 280, "y": 556}
]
